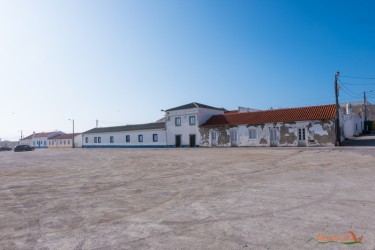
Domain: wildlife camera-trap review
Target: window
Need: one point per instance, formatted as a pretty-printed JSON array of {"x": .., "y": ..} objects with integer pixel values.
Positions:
[
  {"x": 252, "y": 133},
  {"x": 34, "y": 143},
  {"x": 127, "y": 138},
  {"x": 68, "y": 142},
  {"x": 177, "y": 121},
  {"x": 64, "y": 142},
  {"x": 191, "y": 120},
  {"x": 95, "y": 139},
  {"x": 140, "y": 138},
  {"x": 49, "y": 143},
  {"x": 60, "y": 142},
  {"x": 99, "y": 140},
  {"x": 111, "y": 140},
  {"x": 86, "y": 139},
  {"x": 45, "y": 143},
  {"x": 155, "y": 137}
]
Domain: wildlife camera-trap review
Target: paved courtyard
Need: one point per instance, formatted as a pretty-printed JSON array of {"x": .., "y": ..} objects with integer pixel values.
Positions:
[{"x": 233, "y": 198}]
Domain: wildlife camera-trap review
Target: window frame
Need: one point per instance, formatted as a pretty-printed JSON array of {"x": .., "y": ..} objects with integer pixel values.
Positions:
[
  {"x": 140, "y": 138},
  {"x": 127, "y": 138},
  {"x": 253, "y": 135},
  {"x": 177, "y": 121},
  {"x": 155, "y": 137},
  {"x": 192, "y": 120},
  {"x": 111, "y": 139}
]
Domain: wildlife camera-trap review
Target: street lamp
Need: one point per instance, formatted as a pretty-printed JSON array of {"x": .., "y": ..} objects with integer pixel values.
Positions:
[
  {"x": 166, "y": 132},
  {"x": 73, "y": 131}
]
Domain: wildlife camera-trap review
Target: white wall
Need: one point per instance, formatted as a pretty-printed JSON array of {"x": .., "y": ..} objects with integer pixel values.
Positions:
[
  {"x": 352, "y": 125},
  {"x": 185, "y": 130},
  {"x": 120, "y": 139},
  {"x": 78, "y": 141}
]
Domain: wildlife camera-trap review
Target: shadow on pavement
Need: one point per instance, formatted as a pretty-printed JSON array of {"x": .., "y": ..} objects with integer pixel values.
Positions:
[{"x": 366, "y": 140}]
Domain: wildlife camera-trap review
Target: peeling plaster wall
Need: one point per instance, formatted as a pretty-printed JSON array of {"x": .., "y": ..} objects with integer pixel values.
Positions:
[
  {"x": 222, "y": 136},
  {"x": 318, "y": 133}
]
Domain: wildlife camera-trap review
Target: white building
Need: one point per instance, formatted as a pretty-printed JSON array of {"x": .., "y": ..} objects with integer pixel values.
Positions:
[
  {"x": 150, "y": 135},
  {"x": 66, "y": 141},
  {"x": 183, "y": 122},
  {"x": 39, "y": 140},
  {"x": 353, "y": 124},
  {"x": 179, "y": 128},
  {"x": 304, "y": 126}
]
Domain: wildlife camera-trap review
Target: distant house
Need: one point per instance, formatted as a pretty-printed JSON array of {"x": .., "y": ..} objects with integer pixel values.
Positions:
[
  {"x": 182, "y": 123},
  {"x": 353, "y": 124},
  {"x": 66, "y": 141},
  {"x": 39, "y": 140},
  {"x": 305, "y": 126},
  {"x": 8, "y": 144},
  {"x": 150, "y": 135}
]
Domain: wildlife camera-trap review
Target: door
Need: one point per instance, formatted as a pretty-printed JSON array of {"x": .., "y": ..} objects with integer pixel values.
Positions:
[
  {"x": 273, "y": 137},
  {"x": 192, "y": 141},
  {"x": 178, "y": 141},
  {"x": 302, "y": 137},
  {"x": 233, "y": 138},
  {"x": 213, "y": 139}
]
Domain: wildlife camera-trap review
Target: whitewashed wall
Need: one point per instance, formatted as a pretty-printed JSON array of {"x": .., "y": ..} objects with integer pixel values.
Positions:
[
  {"x": 120, "y": 139},
  {"x": 185, "y": 130}
]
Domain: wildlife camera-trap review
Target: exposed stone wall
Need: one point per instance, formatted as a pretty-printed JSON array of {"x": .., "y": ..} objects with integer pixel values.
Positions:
[{"x": 318, "y": 133}]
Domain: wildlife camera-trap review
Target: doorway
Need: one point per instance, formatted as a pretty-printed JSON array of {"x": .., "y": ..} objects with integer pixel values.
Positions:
[
  {"x": 233, "y": 138},
  {"x": 178, "y": 141},
  {"x": 192, "y": 141},
  {"x": 273, "y": 137},
  {"x": 301, "y": 137}
]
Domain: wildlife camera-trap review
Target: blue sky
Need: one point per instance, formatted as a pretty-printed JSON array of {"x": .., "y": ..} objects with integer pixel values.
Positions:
[{"x": 121, "y": 62}]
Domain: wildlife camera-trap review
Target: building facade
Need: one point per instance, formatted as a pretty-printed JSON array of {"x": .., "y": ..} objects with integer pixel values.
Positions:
[
  {"x": 65, "y": 141},
  {"x": 39, "y": 140},
  {"x": 183, "y": 122},
  {"x": 150, "y": 135},
  {"x": 307, "y": 126}
]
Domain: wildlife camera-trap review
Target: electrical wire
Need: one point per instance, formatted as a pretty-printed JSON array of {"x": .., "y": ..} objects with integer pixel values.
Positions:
[
  {"x": 359, "y": 77},
  {"x": 349, "y": 93},
  {"x": 342, "y": 85}
]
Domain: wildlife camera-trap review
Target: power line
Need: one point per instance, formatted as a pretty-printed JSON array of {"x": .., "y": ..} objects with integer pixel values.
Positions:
[
  {"x": 359, "y": 77},
  {"x": 373, "y": 83},
  {"x": 349, "y": 93},
  {"x": 345, "y": 87}
]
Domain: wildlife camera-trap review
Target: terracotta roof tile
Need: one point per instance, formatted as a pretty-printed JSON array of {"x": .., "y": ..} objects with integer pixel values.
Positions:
[
  {"x": 323, "y": 112},
  {"x": 39, "y": 135},
  {"x": 65, "y": 136}
]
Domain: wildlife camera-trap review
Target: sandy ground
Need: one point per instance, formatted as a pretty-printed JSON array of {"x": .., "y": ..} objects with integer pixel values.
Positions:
[{"x": 236, "y": 198}]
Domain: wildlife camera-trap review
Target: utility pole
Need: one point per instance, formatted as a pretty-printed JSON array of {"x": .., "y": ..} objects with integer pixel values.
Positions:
[{"x": 338, "y": 136}]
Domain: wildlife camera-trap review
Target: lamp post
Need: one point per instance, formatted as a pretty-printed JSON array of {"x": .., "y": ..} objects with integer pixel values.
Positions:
[
  {"x": 166, "y": 132},
  {"x": 73, "y": 132}
]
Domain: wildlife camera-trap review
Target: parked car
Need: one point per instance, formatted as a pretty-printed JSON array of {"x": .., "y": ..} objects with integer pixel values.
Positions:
[
  {"x": 20, "y": 148},
  {"x": 5, "y": 149}
]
